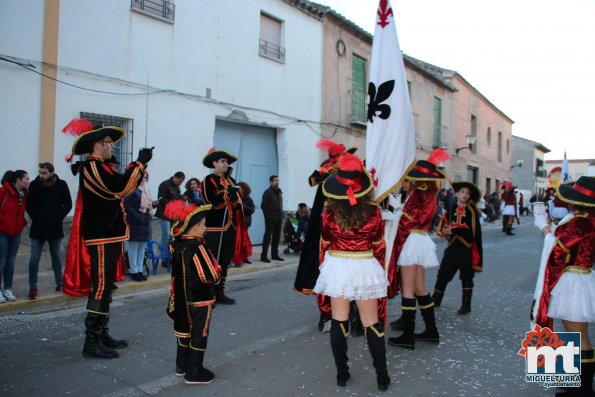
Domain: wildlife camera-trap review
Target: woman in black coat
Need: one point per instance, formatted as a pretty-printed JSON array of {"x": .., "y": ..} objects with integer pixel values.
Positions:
[{"x": 139, "y": 211}]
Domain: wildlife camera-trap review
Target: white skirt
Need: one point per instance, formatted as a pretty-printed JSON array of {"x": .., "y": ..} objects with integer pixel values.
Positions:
[
  {"x": 508, "y": 210},
  {"x": 573, "y": 298},
  {"x": 419, "y": 249},
  {"x": 352, "y": 278}
]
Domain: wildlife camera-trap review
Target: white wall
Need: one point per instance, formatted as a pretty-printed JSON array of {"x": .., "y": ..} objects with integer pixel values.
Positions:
[
  {"x": 21, "y": 35},
  {"x": 212, "y": 44}
]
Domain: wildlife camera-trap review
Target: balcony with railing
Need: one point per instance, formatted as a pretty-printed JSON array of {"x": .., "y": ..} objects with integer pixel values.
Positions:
[
  {"x": 271, "y": 50},
  {"x": 160, "y": 9}
]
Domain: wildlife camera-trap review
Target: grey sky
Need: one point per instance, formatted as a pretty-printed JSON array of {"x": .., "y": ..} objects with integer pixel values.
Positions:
[{"x": 535, "y": 60}]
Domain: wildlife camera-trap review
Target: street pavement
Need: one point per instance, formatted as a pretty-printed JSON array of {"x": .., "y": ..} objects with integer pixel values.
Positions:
[{"x": 268, "y": 343}]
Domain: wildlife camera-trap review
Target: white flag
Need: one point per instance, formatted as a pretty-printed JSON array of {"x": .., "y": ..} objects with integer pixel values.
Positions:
[
  {"x": 390, "y": 140},
  {"x": 565, "y": 177}
]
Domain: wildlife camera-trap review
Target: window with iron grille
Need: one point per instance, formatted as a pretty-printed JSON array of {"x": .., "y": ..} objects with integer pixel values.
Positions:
[
  {"x": 161, "y": 9},
  {"x": 358, "y": 90},
  {"x": 123, "y": 149},
  {"x": 270, "y": 44}
]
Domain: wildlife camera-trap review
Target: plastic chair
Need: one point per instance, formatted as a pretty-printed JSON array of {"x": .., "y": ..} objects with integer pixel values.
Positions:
[{"x": 156, "y": 252}]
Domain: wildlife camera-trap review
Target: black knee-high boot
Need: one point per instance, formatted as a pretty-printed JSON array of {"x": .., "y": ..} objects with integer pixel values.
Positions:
[
  {"x": 107, "y": 339},
  {"x": 426, "y": 306},
  {"x": 586, "y": 388},
  {"x": 375, "y": 337},
  {"x": 183, "y": 346},
  {"x": 407, "y": 339},
  {"x": 339, "y": 333},
  {"x": 467, "y": 294},
  {"x": 439, "y": 289},
  {"x": 196, "y": 374},
  {"x": 93, "y": 347}
]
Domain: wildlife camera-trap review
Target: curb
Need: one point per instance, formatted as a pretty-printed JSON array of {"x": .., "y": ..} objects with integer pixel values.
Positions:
[{"x": 154, "y": 282}]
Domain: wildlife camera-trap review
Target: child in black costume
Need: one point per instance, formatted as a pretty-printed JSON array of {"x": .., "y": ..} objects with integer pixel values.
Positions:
[
  {"x": 460, "y": 225},
  {"x": 194, "y": 275}
]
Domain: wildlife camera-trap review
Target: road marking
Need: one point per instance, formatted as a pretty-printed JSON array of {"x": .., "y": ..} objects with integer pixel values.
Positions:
[{"x": 165, "y": 382}]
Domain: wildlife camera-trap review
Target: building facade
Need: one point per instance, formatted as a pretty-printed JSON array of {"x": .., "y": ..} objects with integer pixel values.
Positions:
[
  {"x": 576, "y": 167},
  {"x": 528, "y": 165},
  {"x": 446, "y": 107},
  {"x": 181, "y": 77}
]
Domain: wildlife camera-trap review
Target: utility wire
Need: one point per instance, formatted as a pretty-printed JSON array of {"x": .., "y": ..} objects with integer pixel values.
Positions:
[
  {"x": 29, "y": 67},
  {"x": 292, "y": 120}
]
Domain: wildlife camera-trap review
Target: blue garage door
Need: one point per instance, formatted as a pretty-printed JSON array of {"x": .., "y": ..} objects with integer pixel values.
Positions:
[{"x": 256, "y": 149}]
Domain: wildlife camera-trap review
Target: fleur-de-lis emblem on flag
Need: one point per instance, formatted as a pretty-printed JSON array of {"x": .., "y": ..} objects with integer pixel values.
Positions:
[
  {"x": 376, "y": 98},
  {"x": 384, "y": 11}
]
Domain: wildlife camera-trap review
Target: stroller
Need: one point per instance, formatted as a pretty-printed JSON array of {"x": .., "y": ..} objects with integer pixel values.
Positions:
[{"x": 291, "y": 237}]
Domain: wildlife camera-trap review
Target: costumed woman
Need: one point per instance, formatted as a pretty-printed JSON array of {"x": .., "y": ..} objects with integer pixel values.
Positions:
[
  {"x": 509, "y": 208},
  {"x": 307, "y": 271},
  {"x": 461, "y": 226},
  {"x": 194, "y": 275},
  {"x": 414, "y": 251},
  {"x": 352, "y": 252},
  {"x": 566, "y": 283}
]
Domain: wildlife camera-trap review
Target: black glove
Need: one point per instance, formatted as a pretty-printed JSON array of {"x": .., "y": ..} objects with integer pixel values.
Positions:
[
  {"x": 234, "y": 192},
  {"x": 145, "y": 155},
  {"x": 76, "y": 167}
]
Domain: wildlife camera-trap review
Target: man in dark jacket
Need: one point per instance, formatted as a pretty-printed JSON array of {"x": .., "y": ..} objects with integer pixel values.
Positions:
[
  {"x": 272, "y": 208},
  {"x": 168, "y": 190},
  {"x": 48, "y": 204}
]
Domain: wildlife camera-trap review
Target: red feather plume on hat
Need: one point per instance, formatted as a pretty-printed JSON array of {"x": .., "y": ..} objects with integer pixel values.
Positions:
[
  {"x": 350, "y": 162},
  {"x": 438, "y": 156},
  {"x": 77, "y": 127},
  {"x": 177, "y": 210},
  {"x": 333, "y": 149}
]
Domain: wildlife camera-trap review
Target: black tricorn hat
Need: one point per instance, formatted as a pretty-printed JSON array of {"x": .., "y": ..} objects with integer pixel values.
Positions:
[
  {"x": 184, "y": 215},
  {"x": 350, "y": 182},
  {"x": 582, "y": 192},
  {"x": 474, "y": 191},
  {"x": 216, "y": 155},
  {"x": 425, "y": 171},
  {"x": 87, "y": 135}
]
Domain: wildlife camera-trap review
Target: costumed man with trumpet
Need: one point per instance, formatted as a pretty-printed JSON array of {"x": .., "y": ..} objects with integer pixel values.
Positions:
[{"x": 227, "y": 235}]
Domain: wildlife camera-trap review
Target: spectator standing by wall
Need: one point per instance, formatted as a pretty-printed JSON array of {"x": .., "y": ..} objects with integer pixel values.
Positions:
[
  {"x": 48, "y": 204},
  {"x": 168, "y": 190},
  {"x": 13, "y": 200},
  {"x": 303, "y": 217},
  {"x": 192, "y": 193},
  {"x": 139, "y": 211},
  {"x": 272, "y": 208}
]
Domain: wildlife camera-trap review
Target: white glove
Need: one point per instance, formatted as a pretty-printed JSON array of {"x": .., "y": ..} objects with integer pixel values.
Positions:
[{"x": 540, "y": 221}]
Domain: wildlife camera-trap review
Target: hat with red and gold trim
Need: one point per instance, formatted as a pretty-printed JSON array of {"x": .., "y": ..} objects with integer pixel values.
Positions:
[
  {"x": 427, "y": 170},
  {"x": 581, "y": 192},
  {"x": 350, "y": 182},
  {"x": 184, "y": 215},
  {"x": 87, "y": 135}
]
